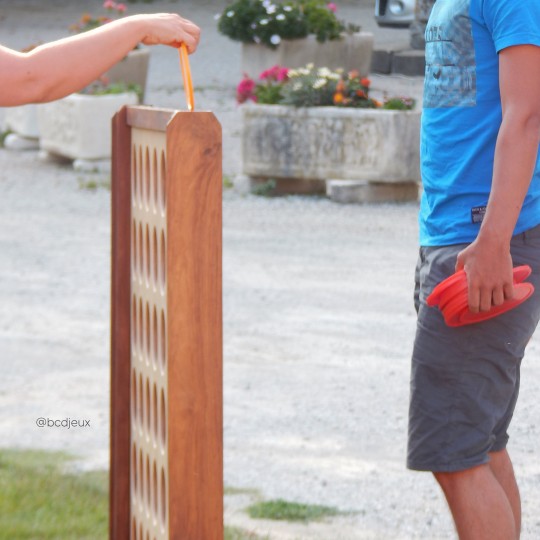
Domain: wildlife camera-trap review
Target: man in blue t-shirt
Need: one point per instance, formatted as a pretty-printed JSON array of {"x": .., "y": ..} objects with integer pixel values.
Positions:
[{"x": 480, "y": 211}]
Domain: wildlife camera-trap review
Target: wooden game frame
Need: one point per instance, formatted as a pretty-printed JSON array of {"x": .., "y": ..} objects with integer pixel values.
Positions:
[{"x": 166, "y": 475}]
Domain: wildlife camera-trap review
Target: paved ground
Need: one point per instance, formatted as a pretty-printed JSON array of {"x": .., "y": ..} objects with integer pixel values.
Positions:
[{"x": 318, "y": 323}]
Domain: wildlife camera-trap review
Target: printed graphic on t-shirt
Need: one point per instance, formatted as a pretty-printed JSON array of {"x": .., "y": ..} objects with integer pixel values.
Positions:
[{"x": 450, "y": 61}]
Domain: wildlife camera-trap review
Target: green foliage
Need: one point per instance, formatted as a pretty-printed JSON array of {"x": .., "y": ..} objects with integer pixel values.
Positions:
[
  {"x": 321, "y": 21},
  {"x": 399, "y": 104},
  {"x": 3, "y": 136},
  {"x": 268, "y": 22},
  {"x": 280, "y": 509},
  {"x": 250, "y": 21},
  {"x": 227, "y": 182},
  {"x": 269, "y": 94},
  {"x": 265, "y": 189},
  {"x": 101, "y": 88}
]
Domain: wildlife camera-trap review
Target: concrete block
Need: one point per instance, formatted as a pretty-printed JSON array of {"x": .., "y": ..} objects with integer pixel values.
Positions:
[
  {"x": 23, "y": 121},
  {"x": 19, "y": 144},
  {"x": 410, "y": 63},
  {"x": 79, "y": 126},
  {"x": 330, "y": 142},
  {"x": 353, "y": 51},
  {"x": 287, "y": 186},
  {"x": 381, "y": 61},
  {"x": 361, "y": 191}
]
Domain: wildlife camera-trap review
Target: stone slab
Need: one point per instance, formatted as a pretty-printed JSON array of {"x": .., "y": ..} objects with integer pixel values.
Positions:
[{"x": 361, "y": 192}]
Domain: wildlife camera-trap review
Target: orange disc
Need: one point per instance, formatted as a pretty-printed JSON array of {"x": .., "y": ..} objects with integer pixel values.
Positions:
[{"x": 186, "y": 75}]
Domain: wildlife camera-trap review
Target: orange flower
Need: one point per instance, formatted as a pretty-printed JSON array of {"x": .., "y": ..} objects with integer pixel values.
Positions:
[
  {"x": 365, "y": 82},
  {"x": 340, "y": 86},
  {"x": 377, "y": 103},
  {"x": 338, "y": 98},
  {"x": 354, "y": 74},
  {"x": 361, "y": 93},
  {"x": 86, "y": 18}
]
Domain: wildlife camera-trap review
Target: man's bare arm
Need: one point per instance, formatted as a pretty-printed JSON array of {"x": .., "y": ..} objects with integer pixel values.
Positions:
[
  {"x": 59, "y": 68},
  {"x": 487, "y": 260}
]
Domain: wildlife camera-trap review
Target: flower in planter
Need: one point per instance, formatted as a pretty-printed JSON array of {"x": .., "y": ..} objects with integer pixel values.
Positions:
[
  {"x": 267, "y": 91},
  {"x": 269, "y": 22},
  {"x": 315, "y": 87},
  {"x": 89, "y": 22}
]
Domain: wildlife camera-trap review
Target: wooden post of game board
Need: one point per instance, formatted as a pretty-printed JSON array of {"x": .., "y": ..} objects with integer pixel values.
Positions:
[{"x": 166, "y": 367}]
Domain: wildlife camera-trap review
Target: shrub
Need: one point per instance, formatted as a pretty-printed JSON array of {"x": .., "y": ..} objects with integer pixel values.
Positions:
[{"x": 268, "y": 22}]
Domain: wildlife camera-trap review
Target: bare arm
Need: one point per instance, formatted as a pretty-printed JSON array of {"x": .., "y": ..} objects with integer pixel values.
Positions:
[
  {"x": 56, "y": 69},
  {"x": 487, "y": 260}
]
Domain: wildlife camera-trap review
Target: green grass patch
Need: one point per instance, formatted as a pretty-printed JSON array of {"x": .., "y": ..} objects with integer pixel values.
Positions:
[
  {"x": 227, "y": 182},
  {"x": 93, "y": 184},
  {"x": 280, "y": 509},
  {"x": 39, "y": 500},
  {"x": 233, "y": 533}
]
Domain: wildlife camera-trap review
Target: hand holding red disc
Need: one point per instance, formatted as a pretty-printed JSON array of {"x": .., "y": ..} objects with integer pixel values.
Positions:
[{"x": 451, "y": 296}]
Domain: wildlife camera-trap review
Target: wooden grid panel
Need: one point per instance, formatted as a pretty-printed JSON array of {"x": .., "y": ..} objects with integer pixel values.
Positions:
[
  {"x": 166, "y": 334},
  {"x": 149, "y": 462}
]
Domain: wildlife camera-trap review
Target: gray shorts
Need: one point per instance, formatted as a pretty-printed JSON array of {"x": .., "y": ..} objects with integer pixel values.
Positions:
[{"x": 465, "y": 380}]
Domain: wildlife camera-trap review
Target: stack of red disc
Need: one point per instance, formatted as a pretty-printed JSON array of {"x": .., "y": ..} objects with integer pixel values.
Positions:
[{"x": 451, "y": 296}]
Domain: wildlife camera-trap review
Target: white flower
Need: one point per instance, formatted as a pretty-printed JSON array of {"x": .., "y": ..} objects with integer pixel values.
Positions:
[
  {"x": 256, "y": 39},
  {"x": 275, "y": 40},
  {"x": 292, "y": 73},
  {"x": 271, "y": 10},
  {"x": 324, "y": 72},
  {"x": 281, "y": 17},
  {"x": 230, "y": 13},
  {"x": 297, "y": 86},
  {"x": 319, "y": 83},
  {"x": 263, "y": 22},
  {"x": 217, "y": 16},
  {"x": 287, "y": 8},
  {"x": 310, "y": 66},
  {"x": 253, "y": 26},
  {"x": 267, "y": 3}
]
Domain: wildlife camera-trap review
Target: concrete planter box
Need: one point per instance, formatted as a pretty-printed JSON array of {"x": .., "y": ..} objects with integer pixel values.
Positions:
[
  {"x": 131, "y": 69},
  {"x": 23, "y": 121},
  {"x": 360, "y": 146},
  {"x": 353, "y": 51},
  {"x": 79, "y": 126}
]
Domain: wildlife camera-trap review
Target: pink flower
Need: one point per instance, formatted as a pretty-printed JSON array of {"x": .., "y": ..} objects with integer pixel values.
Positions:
[
  {"x": 332, "y": 7},
  {"x": 109, "y": 4},
  {"x": 121, "y": 8},
  {"x": 283, "y": 74},
  {"x": 246, "y": 90},
  {"x": 274, "y": 74}
]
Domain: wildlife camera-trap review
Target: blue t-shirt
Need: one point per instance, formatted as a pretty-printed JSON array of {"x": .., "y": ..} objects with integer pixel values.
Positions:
[{"x": 462, "y": 114}]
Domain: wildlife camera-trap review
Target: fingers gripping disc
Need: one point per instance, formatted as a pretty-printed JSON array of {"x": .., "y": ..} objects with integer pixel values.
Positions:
[{"x": 451, "y": 296}]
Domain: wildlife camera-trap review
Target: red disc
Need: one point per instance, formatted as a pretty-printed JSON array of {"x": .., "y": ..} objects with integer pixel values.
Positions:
[
  {"x": 522, "y": 291},
  {"x": 434, "y": 297}
]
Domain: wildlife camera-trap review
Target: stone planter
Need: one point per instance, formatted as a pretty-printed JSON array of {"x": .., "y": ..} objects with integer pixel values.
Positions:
[
  {"x": 79, "y": 126},
  {"x": 361, "y": 147},
  {"x": 131, "y": 69},
  {"x": 23, "y": 121},
  {"x": 353, "y": 51}
]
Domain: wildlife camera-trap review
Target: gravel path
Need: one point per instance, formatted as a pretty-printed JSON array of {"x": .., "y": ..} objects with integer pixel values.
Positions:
[{"x": 318, "y": 320}]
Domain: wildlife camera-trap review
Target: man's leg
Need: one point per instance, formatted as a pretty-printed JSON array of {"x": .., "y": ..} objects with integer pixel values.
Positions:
[
  {"x": 501, "y": 465},
  {"x": 479, "y": 504}
]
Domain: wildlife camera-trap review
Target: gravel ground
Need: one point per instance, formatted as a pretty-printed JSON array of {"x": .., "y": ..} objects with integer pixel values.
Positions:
[{"x": 318, "y": 320}]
